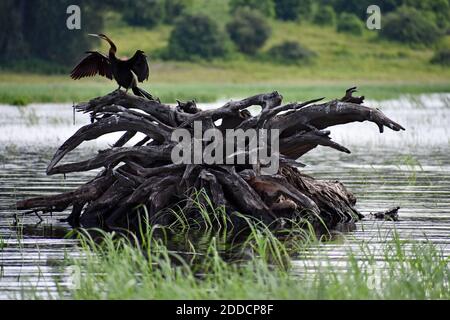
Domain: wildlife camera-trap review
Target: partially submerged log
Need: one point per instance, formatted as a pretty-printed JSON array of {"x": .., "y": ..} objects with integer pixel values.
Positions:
[
  {"x": 144, "y": 174},
  {"x": 390, "y": 214}
]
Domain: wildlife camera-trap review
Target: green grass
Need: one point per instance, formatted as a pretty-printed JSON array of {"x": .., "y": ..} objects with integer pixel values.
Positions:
[
  {"x": 52, "y": 89},
  {"x": 146, "y": 266},
  {"x": 118, "y": 269}
]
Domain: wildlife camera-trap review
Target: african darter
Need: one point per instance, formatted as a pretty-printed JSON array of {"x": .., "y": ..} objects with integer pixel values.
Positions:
[{"x": 127, "y": 73}]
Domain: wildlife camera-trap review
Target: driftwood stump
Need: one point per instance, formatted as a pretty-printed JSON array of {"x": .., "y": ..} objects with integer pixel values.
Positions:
[{"x": 143, "y": 174}]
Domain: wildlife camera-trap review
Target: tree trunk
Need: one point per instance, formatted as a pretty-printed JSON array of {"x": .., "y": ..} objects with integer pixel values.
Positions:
[{"x": 144, "y": 174}]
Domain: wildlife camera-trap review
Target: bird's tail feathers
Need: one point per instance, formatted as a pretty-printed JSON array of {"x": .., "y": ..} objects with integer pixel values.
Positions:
[{"x": 142, "y": 93}]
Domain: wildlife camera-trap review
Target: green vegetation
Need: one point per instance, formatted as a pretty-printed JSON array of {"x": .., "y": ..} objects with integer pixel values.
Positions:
[
  {"x": 59, "y": 89},
  {"x": 203, "y": 64},
  {"x": 196, "y": 37},
  {"x": 249, "y": 30},
  {"x": 266, "y": 7},
  {"x": 293, "y": 9},
  {"x": 2, "y": 244},
  {"x": 290, "y": 52},
  {"x": 174, "y": 9},
  {"x": 20, "y": 24},
  {"x": 37, "y": 30},
  {"x": 410, "y": 26},
  {"x": 325, "y": 16},
  {"x": 350, "y": 23},
  {"x": 148, "y": 13},
  {"x": 194, "y": 260},
  {"x": 437, "y": 11},
  {"x": 413, "y": 167},
  {"x": 359, "y": 7},
  {"x": 128, "y": 268},
  {"x": 442, "y": 57}
]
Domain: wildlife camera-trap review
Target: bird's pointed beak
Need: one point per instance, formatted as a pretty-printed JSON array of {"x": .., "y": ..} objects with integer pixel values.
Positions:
[{"x": 93, "y": 35}]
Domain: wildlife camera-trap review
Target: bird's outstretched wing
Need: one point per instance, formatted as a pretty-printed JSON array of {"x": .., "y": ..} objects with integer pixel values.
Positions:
[
  {"x": 138, "y": 63},
  {"x": 94, "y": 63}
]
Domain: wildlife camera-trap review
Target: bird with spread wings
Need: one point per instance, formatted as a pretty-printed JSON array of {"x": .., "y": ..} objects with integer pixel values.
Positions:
[{"x": 127, "y": 73}]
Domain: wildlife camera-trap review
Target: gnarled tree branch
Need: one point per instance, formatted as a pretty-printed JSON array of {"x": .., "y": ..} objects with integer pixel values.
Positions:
[{"x": 144, "y": 174}]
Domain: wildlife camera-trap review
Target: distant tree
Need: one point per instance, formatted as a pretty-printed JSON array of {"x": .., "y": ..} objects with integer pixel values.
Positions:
[
  {"x": 266, "y": 7},
  {"x": 442, "y": 57},
  {"x": 293, "y": 9},
  {"x": 148, "y": 13},
  {"x": 359, "y": 7},
  {"x": 350, "y": 23},
  {"x": 325, "y": 16},
  {"x": 37, "y": 30},
  {"x": 12, "y": 40},
  {"x": 174, "y": 9},
  {"x": 196, "y": 36},
  {"x": 248, "y": 30},
  {"x": 409, "y": 25},
  {"x": 290, "y": 52},
  {"x": 437, "y": 10}
]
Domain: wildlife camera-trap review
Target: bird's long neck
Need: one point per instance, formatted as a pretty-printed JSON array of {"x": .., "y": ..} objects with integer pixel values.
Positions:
[{"x": 113, "y": 48}]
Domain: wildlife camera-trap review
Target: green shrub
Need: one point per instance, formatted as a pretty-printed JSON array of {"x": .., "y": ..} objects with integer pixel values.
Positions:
[
  {"x": 248, "y": 30},
  {"x": 325, "y": 16},
  {"x": 148, "y": 13},
  {"x": 196, "y": 36},
  {"x": 290, "y": 52},
  {"x": 442, "y": 57},
  {"x": 350, "y": 23},
  {"x": 266, "y": 7},
  {"x": 436, "y": 10},
  {"x": 409, "y": 25},
  {"x": 38, "y": 30},
  {"x": 359, "y": 7},
  {"x": 174, "y": 9},
  {"x": 293, "y": 9}
]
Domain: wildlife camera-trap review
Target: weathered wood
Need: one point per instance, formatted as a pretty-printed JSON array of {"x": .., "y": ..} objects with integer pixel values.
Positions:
[
  {"x": 110, "y": 157},
  {"x": 390, "y": 214},
  {"x": 144, "y": 175}
]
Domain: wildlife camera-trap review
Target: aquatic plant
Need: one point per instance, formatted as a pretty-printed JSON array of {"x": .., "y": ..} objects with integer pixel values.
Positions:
[
  {"x": 189, "y": 261},
  {"x": 120, "y": 269},
  {"x": 2, "y": 243}
]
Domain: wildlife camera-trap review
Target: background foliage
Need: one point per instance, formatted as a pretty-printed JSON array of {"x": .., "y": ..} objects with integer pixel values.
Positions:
[
  {"x": 37, "y": 30},
  {"x": 33, "y": 36},
  {"x": 249, "y": 30},
  {"x": 196, "y": 36}
]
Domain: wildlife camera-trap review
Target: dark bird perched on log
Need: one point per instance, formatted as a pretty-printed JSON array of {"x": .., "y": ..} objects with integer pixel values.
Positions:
[{"x": 127, "y": 73}]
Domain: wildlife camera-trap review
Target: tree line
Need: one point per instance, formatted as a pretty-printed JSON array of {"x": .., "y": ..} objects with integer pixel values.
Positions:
[{"x": 35, "y": 30}]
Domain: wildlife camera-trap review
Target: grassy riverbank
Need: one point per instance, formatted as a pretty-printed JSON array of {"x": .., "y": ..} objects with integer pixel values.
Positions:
[{"x": 54, "y": 89}]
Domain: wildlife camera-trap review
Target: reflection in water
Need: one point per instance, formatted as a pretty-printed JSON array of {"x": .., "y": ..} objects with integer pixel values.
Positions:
[{"x": 410, "y": 170}]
